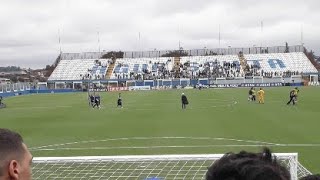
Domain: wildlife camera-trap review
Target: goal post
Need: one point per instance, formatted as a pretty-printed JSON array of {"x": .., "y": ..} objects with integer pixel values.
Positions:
[{"x": 157, "y": 167}]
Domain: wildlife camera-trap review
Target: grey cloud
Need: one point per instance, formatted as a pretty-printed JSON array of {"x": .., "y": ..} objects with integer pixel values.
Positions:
[{"x": 29, "y": 29}]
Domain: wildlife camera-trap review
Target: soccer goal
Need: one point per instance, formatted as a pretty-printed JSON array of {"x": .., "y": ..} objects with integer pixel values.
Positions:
[{"x": 152, "y": 167}]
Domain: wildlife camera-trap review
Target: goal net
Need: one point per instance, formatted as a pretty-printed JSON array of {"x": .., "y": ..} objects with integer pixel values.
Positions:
[{"x": 152, "y": 167}]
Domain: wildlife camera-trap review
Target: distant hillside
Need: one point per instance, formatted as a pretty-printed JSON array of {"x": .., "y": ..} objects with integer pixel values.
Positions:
[{"x": 10, "y": 69}]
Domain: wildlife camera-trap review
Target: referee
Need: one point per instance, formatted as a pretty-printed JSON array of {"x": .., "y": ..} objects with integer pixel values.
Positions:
[{"x": 184, "y": 101}]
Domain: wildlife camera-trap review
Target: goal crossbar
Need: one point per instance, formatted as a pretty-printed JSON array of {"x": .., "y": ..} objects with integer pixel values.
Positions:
[{"x": 144, "y": 167}]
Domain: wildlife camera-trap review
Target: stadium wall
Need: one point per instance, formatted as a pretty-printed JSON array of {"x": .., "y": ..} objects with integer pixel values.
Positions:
[{"x": 124, "y": 85}]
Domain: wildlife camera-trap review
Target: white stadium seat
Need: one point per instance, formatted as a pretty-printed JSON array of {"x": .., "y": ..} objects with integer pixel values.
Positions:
[
  {"x": 281, "y": 62},
  {"x": 217, "y": 66},
  {"x": 76, "y": 69}
]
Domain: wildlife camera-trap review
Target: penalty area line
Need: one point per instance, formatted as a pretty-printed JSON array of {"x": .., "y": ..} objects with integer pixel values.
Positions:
[
  {"x": 158, "y": 138},
  {"x": 167, "y": 147},
  {"x": 43, "y": 107}
]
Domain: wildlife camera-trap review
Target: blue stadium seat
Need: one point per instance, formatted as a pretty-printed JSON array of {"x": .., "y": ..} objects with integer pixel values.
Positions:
[
  {"x": 144, "y": 66},
  {"x": 194, "y": 66},
  {"x": 281, "y": 63},
  {"x": 256, "y": 63},
  {"x": 237, "y": 63},
  {"x": 136, "y": 68},
  {"x": 117, "y": 69},
  {"x": 154, "y": 67},
  {"x": 274, "y": 62},
  {"x": 125, "y": 68}
]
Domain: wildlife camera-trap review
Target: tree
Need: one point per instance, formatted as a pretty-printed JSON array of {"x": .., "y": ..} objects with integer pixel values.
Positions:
[
  {"x": 310, "y": 54},
  {"x": 287, "y": 48},
  {"x": 176, "y": 53},
  {"x": 112, "y": 55},
  {"x": 10, "y": 69}
]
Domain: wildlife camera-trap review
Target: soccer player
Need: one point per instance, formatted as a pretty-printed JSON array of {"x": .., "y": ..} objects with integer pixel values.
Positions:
[
  {"x": 200, "y": 86},
  {"x": 261, "y": 96},
  {"x": 250, "y": 94},
  {"x": 293, "y": 96},
  {"x": 91, "y": 103},
  {"x": 184, "y": 101},
  {"x": 119, "y": 102},
  {"x": 97, "y": 101},
  {"x": 253, "y": 94}
]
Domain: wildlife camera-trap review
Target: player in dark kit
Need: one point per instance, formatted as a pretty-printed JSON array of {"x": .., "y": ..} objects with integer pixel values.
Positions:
[
  {"x": 253, "y": 94},
  {"x": 184, "y": 101},
  {"x": 293, "y": 96},
  {"x": 119, "y": 101},
  {"x": 2, "y": 105},
  {"x": 97, "y": 101},
  {"x": 250, "y": 94},
  {"x": 91, "y": 97}
]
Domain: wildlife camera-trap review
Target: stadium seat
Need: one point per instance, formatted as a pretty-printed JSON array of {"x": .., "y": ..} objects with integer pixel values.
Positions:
[
  {"x": 281, "y": 62},
  {"x": 219, "y": 66},
  {"x": 126, "y": 66},
  {"x": 76, "y": 69}
]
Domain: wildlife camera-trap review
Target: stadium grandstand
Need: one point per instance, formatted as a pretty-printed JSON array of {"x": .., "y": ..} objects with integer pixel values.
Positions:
[{"x": 211, "y": 66}]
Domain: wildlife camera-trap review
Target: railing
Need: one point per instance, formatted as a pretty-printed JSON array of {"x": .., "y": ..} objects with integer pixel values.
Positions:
[{"x": 193, "y": 52}]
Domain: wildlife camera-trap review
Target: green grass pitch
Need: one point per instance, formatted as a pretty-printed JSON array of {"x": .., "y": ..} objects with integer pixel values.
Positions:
[{"x": 152, "y": 122}]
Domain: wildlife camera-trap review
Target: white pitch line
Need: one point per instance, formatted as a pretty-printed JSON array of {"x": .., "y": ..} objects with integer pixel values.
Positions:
[
  {"x": 146, "y": 147},
  {"x": 161, "y": 147},
  {"x": 43, "y": 107},
  {"x": 152, "y": 138},
  {"x": 249, "y": 141}
]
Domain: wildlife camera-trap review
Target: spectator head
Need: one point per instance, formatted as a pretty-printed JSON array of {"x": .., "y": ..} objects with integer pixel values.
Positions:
[
  {"x": 247, "y": 166},
  {"x": 15, "y": 158},
  {"x": 311, "y": 177}
]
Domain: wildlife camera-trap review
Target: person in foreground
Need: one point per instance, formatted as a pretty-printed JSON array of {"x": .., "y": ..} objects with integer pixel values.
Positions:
[
  {"x": 15, "y": 158},
  {"x": 247, "y": 166},
  {"x": 311, "y": 177}
]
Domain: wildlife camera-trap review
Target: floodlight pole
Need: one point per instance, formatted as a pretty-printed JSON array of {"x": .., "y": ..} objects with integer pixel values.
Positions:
[{"x": 88, "y": 77}]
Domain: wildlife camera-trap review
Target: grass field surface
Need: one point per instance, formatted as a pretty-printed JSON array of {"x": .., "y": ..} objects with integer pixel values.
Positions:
[{"x": 152, "y": 122}]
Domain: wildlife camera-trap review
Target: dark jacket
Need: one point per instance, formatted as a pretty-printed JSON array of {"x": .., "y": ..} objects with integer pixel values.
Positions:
[{"x": 184, "y": 99}]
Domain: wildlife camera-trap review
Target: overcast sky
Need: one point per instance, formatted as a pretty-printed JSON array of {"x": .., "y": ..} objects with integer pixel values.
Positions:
[{"x": 29, "y": 29}]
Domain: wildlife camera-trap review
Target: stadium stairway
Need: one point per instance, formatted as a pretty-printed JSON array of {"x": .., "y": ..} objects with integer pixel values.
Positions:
[
  {"x": 243, "y": 63},
  {"x": 176, "y": 66},
  {"x": 110, "y": 69}
]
